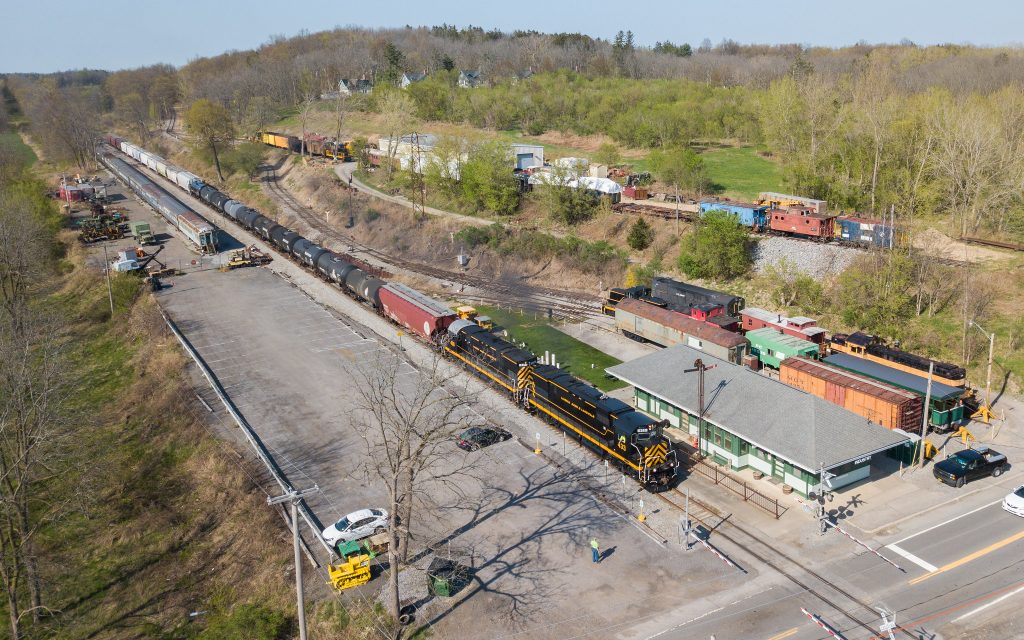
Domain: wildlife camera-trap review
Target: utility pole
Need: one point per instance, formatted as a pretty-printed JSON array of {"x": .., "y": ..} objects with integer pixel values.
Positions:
[
  {"x": 106, "y": 271},
  {"x": 700, "y": 368},
  {"x": 984, "y": 412},
  {"x": 294, "y": 497},
  {"x": 927, "y": 409}
]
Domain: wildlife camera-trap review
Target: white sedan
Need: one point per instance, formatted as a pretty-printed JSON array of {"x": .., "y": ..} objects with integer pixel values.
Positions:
[
  {"x": 356, "y": 526},
  {"x": 1014, "y": 502}
]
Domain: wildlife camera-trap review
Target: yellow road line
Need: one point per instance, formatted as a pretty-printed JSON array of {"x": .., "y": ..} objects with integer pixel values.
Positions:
[
  {"x": 785, "y": 634},
  {"x": 968, "y": 558}
]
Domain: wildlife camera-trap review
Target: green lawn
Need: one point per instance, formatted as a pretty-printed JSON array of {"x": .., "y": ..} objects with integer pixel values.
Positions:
[
  {"x": 574, "y": 356},
  {"x": 22, "y": 152},
  {"x": 741, "y": 173}
]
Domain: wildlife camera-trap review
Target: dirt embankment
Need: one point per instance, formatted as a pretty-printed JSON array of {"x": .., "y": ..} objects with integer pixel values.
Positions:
[{"x": 395, "y": 230}]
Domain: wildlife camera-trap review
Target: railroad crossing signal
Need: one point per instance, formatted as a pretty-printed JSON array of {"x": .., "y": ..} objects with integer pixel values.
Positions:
[{"x": 887, "y": 626}]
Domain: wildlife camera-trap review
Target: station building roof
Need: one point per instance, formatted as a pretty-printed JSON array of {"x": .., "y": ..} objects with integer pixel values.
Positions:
[{"x": 787, "y": 422}]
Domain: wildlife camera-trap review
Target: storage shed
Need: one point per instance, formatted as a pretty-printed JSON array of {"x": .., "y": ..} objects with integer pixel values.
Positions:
[
  {"x": 889, "y": 406},
  {"x": 528, "y": 156},
  {"x": 772, "y": 347}
]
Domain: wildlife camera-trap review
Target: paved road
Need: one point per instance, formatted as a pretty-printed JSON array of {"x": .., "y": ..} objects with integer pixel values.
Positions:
[{"x": 964, "y": 579}]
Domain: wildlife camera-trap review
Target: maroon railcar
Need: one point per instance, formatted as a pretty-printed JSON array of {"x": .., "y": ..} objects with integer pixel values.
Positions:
[
  {"x": 415, "y": 311},
  {"x": 798, "y": 326},
  {"x": 801, "y": 221}
]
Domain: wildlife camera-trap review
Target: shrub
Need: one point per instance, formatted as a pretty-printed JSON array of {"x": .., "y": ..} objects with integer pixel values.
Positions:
[
  {"x": 641, "y": 235},
  {"x": 719, "y": 248}
]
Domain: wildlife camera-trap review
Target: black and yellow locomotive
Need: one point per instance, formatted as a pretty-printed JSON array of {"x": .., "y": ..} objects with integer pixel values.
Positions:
[{"x": 605, "y": 425}]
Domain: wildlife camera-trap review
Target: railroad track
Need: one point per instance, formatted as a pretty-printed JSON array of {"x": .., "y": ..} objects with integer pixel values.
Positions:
[
  {"x": 808, "y": 580},
  {"x": 531, "y": 298}
]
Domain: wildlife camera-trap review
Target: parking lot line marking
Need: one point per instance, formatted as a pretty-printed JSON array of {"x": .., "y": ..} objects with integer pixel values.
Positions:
[
  {"x": 989, "y": 604},
  {"x": 909, "y": 556},
  {"x": 968, "y": 558},
  {"x": 942, "y": 524},
  {"x": 784, "y": 634}
]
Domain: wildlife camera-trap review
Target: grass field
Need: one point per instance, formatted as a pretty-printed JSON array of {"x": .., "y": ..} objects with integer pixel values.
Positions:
[
  {"x": 741, "y": 173},
  {"x": 22, "y": 151},
  {"x": 574, "y": 356}
]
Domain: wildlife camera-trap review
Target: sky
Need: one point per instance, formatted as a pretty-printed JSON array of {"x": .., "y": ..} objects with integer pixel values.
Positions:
[{"x": 43, "y": 36}]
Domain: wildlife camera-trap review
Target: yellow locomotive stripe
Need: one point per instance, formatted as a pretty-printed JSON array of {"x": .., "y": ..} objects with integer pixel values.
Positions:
[
  {"x": 612, "y": 452},
  {"x": 483, "y": 371}
]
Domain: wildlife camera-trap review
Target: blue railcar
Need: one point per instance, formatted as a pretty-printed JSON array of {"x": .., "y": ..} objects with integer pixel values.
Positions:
[
  {"x": 747, "y": 214},
  {"x": 866, "y": 231}
]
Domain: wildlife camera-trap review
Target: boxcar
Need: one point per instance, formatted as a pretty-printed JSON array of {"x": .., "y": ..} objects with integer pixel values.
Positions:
[
  {"x": 747, "y": 214},
  {"x": 889, "y": 406}
]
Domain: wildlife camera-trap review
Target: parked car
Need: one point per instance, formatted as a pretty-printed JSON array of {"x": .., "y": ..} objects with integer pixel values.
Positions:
[
  {"x": 1014, "y": 502},
  {"x": 970, "y": 464},
  {"x": 356, "y": 526},
  {"x": 475, "y": 438}
]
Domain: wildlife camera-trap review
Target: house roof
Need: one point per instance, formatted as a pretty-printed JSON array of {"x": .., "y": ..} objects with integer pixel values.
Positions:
[
  {"x": 415, "y": 77},
  {"x": 791, "y": 424}
]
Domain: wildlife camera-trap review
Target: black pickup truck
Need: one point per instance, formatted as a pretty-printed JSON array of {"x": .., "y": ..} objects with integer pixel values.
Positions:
[{"x": 970, "y": 464}]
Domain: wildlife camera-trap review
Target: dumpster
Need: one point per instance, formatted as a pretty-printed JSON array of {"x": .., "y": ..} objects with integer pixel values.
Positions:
[{"x": 445, "y": 577}]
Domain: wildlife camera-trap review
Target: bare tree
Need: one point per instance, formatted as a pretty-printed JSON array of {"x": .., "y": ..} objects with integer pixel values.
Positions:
[
  {"x": 396, "y": 110},
  {"x": 308, "y": 102},
  {"x": 408, "y": 420},
  {"x": 33, "y": 406}
]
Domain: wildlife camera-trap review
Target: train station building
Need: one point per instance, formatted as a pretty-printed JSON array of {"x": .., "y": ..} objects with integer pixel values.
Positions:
[{"x": 752, "y": 421}]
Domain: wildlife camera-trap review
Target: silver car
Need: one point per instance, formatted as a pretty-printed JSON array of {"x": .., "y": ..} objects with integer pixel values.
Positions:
[{"x": 356, "y": 526}]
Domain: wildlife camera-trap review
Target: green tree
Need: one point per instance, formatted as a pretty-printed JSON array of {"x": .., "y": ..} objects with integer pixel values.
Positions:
[
  {"x": 641, "y": 235},
  {"x": 718, "y": 248},
  {"x": 487, "y": 179},
  {"x": 877, "y": 292},
  {"x": 564, "y": 201},
  {"x": 210, "y": 124},
  {"x": 393, "y": 59},
  {"x": 246, "y": 158},
  {"x": 608, "y": 154},
  {"x": 680, "y": 168}
]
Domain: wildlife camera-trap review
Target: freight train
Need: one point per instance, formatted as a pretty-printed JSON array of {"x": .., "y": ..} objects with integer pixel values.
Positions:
[
  {"x": 805, "y": 218},
  {"x": 609, "y": 427},
  {"x": 316, "y": 145}
]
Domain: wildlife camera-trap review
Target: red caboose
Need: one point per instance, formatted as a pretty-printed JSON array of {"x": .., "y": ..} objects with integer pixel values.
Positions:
[{"x": 803, "y": 222}]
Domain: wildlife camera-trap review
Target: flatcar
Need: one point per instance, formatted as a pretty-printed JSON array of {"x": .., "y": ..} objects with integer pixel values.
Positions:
[
  {"x": 869, "y": 347},
  {"x": 197, "y": 229},
  {"x": 775, "y": 200},
  {"x": 681, "y": 296}
]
